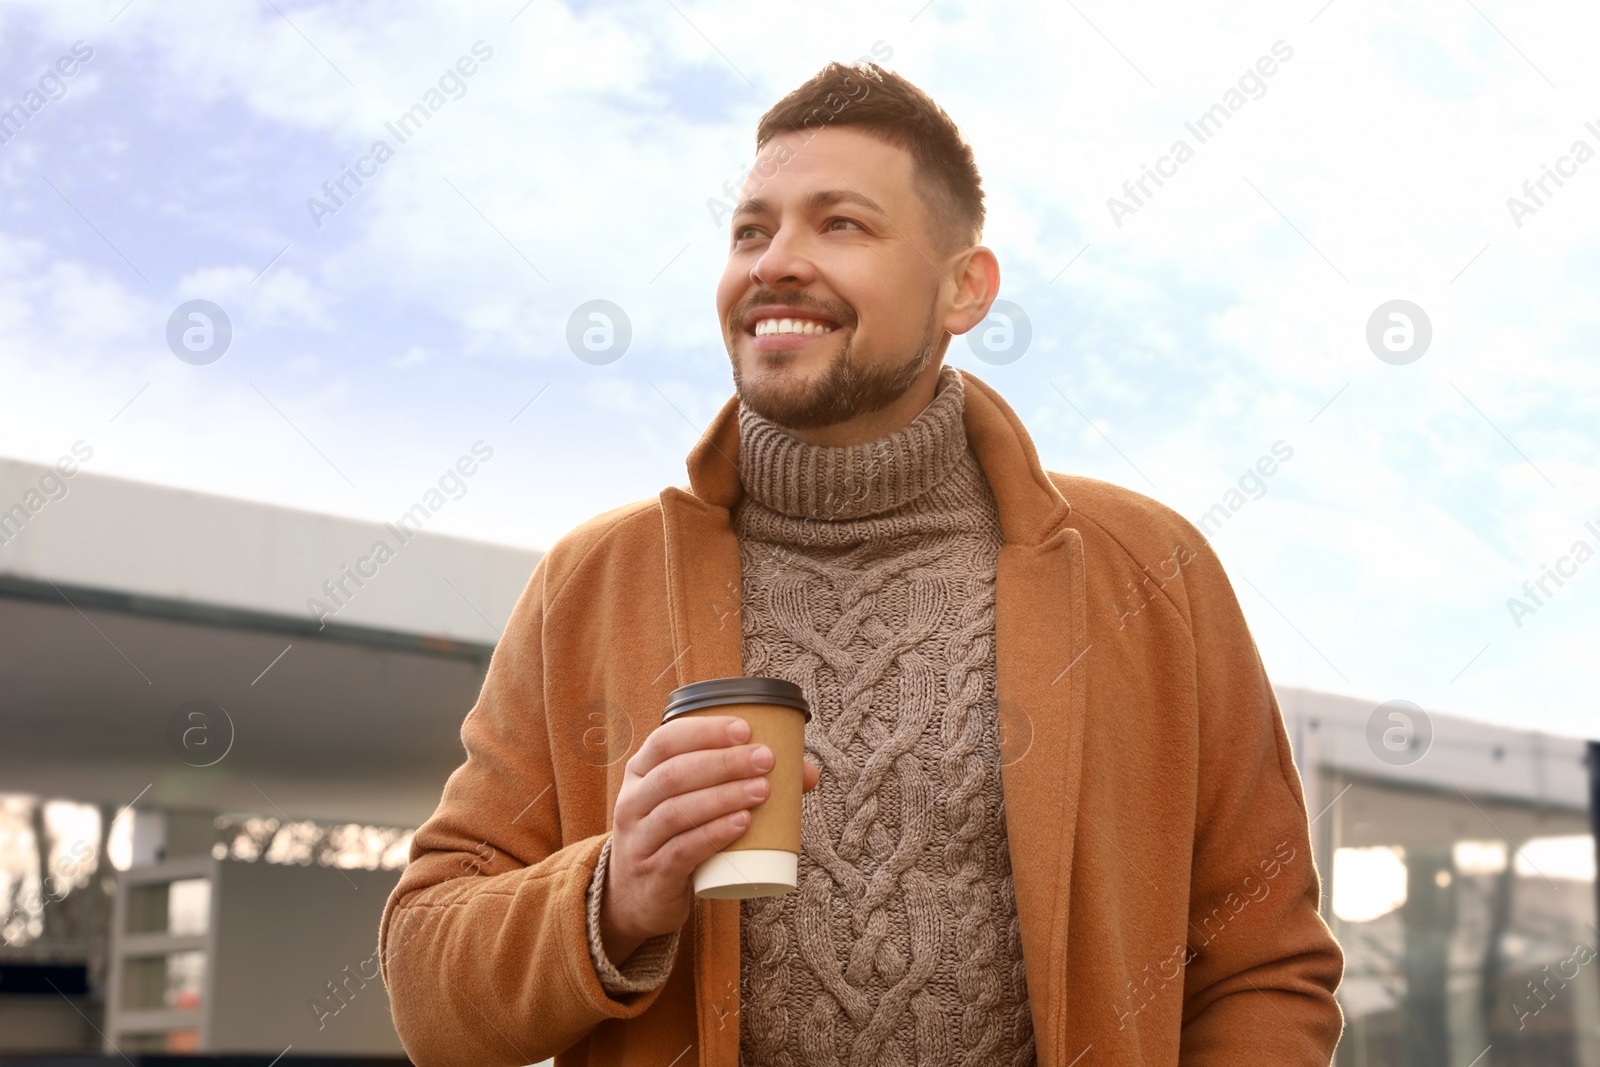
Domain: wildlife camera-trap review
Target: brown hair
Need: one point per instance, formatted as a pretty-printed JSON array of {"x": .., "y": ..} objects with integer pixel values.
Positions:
[{"x": 867, "y": 97}]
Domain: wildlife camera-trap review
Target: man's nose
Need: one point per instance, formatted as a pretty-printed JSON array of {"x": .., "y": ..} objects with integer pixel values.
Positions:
[{"x": 785, "y": 262}]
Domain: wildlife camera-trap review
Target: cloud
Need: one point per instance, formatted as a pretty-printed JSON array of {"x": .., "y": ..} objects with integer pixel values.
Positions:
[{"x": 1227, "y": 313}]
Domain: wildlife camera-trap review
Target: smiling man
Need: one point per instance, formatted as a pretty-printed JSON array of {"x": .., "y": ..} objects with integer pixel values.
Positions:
[{"x": 1040, "y": 827}]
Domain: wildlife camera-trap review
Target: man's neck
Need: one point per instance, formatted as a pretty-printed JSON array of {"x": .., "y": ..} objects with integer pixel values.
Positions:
[{"x": 871, "y": 425}]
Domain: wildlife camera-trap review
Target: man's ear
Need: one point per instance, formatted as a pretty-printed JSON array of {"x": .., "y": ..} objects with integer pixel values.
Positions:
[{"x": 976, "y": 274}]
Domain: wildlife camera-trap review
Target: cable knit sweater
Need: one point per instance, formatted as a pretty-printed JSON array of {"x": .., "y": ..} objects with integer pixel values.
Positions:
[{"x": 869, "y": 578}]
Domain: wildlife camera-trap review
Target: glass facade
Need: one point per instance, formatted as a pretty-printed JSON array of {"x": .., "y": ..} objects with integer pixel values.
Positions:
[{"x": 1468, "y": 923}]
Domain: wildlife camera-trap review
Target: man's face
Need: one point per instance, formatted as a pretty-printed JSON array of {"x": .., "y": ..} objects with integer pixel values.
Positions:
[{"x": 830, "y": 306}]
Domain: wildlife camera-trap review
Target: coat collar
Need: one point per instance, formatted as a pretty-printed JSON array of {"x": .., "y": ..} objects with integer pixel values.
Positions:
[{"x": 1041, "y": 634}]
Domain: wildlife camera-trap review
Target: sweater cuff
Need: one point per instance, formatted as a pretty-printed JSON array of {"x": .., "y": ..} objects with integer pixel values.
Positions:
[{"x": 650, "y": 964}]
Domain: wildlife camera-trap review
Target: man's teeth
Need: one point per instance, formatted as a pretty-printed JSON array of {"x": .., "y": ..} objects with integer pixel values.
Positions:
[{"x": 770, "y": 326}]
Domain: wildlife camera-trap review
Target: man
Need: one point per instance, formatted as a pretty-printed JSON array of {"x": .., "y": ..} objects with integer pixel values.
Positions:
[{"x": 1052, "y": 815}]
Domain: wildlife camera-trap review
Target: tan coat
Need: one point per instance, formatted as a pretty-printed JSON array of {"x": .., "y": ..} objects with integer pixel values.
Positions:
[{"x": 1157, "y": 829}]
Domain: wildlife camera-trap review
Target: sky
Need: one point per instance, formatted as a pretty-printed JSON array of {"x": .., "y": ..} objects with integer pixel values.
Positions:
[{"x": 1367, "y": 152}]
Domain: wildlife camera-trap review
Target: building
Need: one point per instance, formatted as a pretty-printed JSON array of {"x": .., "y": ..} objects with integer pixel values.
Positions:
[{"x": 229, "y": 701}]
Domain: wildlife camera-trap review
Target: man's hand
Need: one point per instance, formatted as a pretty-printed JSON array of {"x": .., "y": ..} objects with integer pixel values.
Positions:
[{"x": 685, "y": 795}]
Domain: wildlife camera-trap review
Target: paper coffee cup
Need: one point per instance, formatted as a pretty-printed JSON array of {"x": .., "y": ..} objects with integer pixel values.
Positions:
[{"x": 764, "y": 861}]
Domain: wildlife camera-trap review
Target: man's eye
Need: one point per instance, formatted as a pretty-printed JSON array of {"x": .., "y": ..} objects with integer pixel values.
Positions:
[
  {"x": 745, "y": 231},
  {"x": 836, "y": 223}
]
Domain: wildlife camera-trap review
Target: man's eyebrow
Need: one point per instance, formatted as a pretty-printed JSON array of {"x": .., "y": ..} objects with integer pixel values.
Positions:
[
  {"x": 754, "y": 206},
  {"x": 830, "y": 197},
  {"x": 821, "y": 198}
]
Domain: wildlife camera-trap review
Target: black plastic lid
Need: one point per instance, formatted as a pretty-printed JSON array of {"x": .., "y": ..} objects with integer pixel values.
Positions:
[{"x": 742, "y": 690}]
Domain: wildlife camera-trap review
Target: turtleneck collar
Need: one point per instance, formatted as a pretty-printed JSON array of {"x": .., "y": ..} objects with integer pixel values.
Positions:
[{"x": 803, "y": 480}]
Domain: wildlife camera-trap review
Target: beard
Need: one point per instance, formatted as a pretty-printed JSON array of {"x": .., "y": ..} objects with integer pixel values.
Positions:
[{"x": 843, "y": 391}]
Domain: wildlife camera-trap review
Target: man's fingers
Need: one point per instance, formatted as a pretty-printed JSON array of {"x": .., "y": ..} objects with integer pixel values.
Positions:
[
  {"x": 687, "y": 735},
  {"x": 688, "y": 850},
  {"x": 811, "y": 775},
  {"x": 683, "y": 813},
  {"x": 700, "y": 770}
]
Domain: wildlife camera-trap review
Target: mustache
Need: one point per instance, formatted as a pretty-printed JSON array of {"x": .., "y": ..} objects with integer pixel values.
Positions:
[{"x": 835, "y": 310}]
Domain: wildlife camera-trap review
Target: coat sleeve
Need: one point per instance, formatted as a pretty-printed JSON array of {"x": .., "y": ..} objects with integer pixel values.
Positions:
[
  {"x": 1263, "y": 966},
  {"x": 485, "y": 948}
]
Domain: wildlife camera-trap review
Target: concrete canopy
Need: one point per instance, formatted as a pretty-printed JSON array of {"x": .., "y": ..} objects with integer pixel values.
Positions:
[{"x": 121, "y": 602}]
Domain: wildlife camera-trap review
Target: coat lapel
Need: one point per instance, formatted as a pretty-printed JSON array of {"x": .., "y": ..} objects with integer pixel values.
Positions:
[
  {"x": 1040, "y": 639},
  {"x": 704, "y": 578}
]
